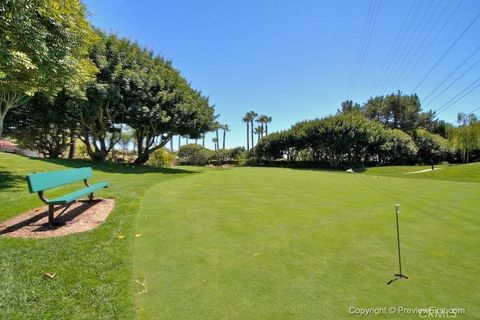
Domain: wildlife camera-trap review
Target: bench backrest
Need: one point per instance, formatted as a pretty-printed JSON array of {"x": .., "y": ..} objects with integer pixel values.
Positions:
[{"x": 47, "y": 180}]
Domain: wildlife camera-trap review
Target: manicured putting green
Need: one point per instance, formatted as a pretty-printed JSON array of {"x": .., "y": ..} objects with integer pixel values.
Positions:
[{"x": 269, "y": 243}]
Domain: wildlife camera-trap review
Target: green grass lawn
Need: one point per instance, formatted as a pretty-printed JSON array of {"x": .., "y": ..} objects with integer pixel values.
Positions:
[
  {"x": 247, "y": 243},
  {"x": 460, "y": 172},
  {"x": 94, "y": 269},
  {"x": 269, "y": 243}
]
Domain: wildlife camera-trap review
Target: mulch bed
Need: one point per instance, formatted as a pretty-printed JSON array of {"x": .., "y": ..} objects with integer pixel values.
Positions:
[{"x": 79, "y": 216}]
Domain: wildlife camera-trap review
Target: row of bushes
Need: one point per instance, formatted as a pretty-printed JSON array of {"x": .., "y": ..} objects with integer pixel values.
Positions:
[
  {"x": 194, "y": 154},
  {"x": 351, "y": 139}
]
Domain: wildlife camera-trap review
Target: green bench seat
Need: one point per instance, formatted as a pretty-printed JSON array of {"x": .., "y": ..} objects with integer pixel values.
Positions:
[
  {"x": 39, "y": 182},
  {"x": 77, "y": 194}
]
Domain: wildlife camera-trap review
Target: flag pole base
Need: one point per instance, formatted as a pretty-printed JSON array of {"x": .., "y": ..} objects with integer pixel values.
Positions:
[{"x": 398, "y": 276}]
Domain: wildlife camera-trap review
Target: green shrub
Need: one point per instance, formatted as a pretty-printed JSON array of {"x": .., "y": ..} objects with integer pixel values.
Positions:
[
  {"x": 194, "y": 154},
  {"x": 161, "y": 158}
]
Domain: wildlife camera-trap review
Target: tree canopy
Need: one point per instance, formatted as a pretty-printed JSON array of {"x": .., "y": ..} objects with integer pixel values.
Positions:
[{"x": 43, "y": 48}]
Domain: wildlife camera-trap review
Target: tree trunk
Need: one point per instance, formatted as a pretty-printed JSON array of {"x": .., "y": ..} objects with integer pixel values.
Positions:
[
  {"x": 216, "y": 143},
  {"x": 203, "y": 140},
  {"x": 248, "y": 136},
  {"x": 2, "y": 117},
  {"x": 171, "y": 144},
  {"x": 179, "y": 142},
  {"x": 266, "y": 128},
  {"x": 142, "y": 158},
  {"x": 251, "y": 132},
  {"x": 73, "y": 145},
  {"x": 224, "y": 135},
  {"x": 9, "y": 100},
  {"x": 144, "y": 152}
]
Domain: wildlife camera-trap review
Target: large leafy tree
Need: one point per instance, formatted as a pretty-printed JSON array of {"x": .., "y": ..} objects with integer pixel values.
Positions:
[
  {"x": 396, "y": 111},
  {"x": 159, "y": 103},
  {"x": 432, "y": 148},
  {"x": 102, "y": 109},
  {"x": 43, "y": 48},
  {"x": 466, "y": 136},
  {"x": 397, "y": 148},
  {"x": 43, "y": 124}
]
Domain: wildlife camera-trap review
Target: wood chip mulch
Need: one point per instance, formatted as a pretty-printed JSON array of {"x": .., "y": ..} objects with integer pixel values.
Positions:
[{"x": 79, "y": 216}]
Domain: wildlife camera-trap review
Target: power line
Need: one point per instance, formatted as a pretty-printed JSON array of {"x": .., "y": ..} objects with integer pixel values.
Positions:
[
  {"x": 453, "y": 82},
  {"x": 360, "y": 46},
  {"x": 392, "y": 53},
  {"x": 369, "y": 26},
  {"x": 457, "y": 68},
  {"x": 409, "y": 45},
  {"x": 376, "y": 12},
  {"x": 447, "y": 51},
  {"x": 407, "y": 67},
  {"x": 475, "y": 84},
  {"x": 431, "y": 42},
  {"x": 475, "y": 110}
]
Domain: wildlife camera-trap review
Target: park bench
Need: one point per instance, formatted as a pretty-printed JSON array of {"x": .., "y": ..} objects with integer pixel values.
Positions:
[{"x": 39, "y": 182}]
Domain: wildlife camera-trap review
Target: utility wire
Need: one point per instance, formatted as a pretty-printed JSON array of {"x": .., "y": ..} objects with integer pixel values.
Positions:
[
  {"x": 376, "y": 12},
  {"x": 453, "y": 82},
  {"x": 396, "y": 47},
  {"x": 474, "y": 85},
  {"x": 457, "y": 68},
  {"x": 364, "y": 42},
  {"x": 408, "y": 46},
  {"x": 478, "y": 108},
  {"x": 429, "y": 45},
  {"x": 360, "y": 46},
  {"x": 416, "y": 49},
  {"x": 447, "y": 51}
]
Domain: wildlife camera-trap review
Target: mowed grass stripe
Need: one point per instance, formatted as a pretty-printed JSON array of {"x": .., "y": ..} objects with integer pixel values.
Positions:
[{"x": 270, "y": 243}]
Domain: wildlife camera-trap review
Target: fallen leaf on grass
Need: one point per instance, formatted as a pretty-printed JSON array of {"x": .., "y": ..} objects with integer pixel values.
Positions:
[
  {"x": 50, "y": 275},
  {"x": 121, "y": 237},
  {"x": 138, "y": 235}
]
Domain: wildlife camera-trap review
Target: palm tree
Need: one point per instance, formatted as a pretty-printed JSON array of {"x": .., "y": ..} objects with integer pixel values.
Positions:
[
  {"x": 247, "y": 121},
  {"x": 225, "y": 129},
  {"x": 215, "y": 127},
  {"x": 261, "y": 119},
  {"x": 249, "y": 118},
  {"x": 215, "y": 142},
  {"x": 203, "y": 140},
  {"x": 267, "y": 121},
  {"x": 259, "y": 132},
  {"x": 264, "y": 120}
]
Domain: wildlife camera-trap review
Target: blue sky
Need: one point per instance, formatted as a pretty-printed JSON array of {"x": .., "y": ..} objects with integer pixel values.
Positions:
[{"x": 296, "y": 60}]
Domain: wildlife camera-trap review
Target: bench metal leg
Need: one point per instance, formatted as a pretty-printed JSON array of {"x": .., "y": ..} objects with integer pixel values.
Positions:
[
  {"x": 51, "y": 211},
  {"x": 90, "y": 196}
]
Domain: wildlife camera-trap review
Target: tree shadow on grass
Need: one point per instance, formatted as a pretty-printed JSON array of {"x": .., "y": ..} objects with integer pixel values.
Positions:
[
  {"x": 123, "y": 168},
  {"x": 9, "y": 180}
]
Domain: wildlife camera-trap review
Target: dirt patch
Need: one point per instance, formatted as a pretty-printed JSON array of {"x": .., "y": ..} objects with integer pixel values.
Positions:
[{"x": 79, "y": 216}]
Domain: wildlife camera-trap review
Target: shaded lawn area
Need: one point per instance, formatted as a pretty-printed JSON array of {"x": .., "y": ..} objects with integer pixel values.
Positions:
[
  {"x": 94, "y": 269},
  {"x": 270, "y": 243}
]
